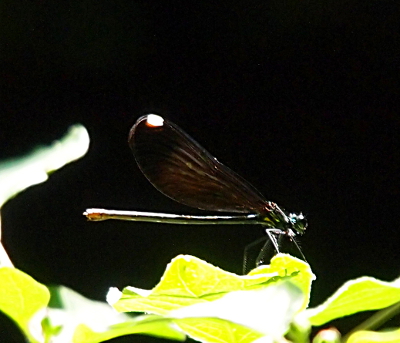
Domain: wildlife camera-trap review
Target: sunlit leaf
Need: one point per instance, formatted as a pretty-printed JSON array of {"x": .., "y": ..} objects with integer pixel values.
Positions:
[
  {"x": 363, "y": 294},
  {"x": 268, "y": 310},
  {"x": 286, "y": 265},
  {"x": 68, "y": 310},
  {"x": 156, "y": 326},
  {"x": 24, "y": 300},
  {"x": 200, "y": 296},
  {"x": 392, "y": 336},
  {"x": 216, "y": 330},
  {"x": 20, "y": 173}
]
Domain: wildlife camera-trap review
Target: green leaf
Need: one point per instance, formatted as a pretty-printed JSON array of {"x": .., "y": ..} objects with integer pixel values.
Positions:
[
  {"x": 199, "y": 296},
  {"x": 24, "y": 300},
  {"x": 299, "y": 330},
  {"x": 20, "y": 173},
  {"x": 215, "y": 330},
  {"x": 156, "y": 326},
  {"x": 74, "y": 318},
  {"x": 267, "y": 311},
  {"x": 189, "y": 280},
  {"x": 363, "y": 294},
  {"x": 392, "y": 336},
  {"x": 68, "y": 310},
  {"x": 285, "y": 265}
]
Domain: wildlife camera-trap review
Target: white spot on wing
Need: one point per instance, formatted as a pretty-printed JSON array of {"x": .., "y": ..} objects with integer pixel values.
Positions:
[{"x": 155, "y": 120}]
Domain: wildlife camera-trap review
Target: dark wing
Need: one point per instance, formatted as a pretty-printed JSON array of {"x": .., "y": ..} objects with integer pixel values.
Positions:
[{"x": 184, "y": 171}]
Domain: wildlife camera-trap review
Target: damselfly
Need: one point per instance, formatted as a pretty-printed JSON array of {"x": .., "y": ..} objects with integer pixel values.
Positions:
[{"x": 184, "y": 171}]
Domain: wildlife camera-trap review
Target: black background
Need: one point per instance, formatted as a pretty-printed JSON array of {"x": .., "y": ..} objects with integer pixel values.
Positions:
[{"x": 299, "y": 97}]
